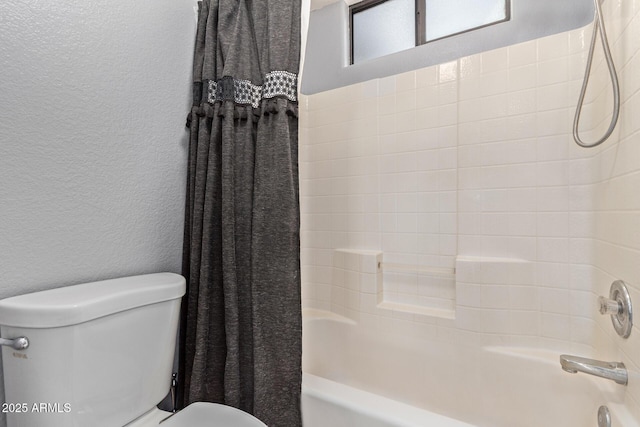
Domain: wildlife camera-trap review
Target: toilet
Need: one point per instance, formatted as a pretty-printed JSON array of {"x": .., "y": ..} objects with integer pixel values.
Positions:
[{"x": 99, "y": 355}]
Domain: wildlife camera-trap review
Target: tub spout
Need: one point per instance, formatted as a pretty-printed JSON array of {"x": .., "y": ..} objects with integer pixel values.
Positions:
[{"x": 615, "y": 371}]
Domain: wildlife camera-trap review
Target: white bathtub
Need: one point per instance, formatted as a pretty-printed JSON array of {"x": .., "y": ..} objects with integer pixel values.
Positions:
[
  {"x": 327, "y": 403},
  {"x": 353, "y": 378}
]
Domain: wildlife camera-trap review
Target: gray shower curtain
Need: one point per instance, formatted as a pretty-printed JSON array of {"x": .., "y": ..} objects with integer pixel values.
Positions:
[{"x": 241, "y": 326}]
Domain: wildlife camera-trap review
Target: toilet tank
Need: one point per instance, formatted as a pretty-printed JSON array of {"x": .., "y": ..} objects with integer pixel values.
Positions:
[{"x": 100, "y": 354}]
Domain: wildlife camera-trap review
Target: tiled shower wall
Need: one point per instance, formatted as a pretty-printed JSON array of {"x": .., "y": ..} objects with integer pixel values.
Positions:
[
  {"x": 471, "y": 165},
  {"x": 611, "y": 175}
]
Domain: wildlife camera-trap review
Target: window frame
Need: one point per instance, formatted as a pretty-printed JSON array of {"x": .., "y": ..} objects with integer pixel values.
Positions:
[{"x": 420, "y": 22}]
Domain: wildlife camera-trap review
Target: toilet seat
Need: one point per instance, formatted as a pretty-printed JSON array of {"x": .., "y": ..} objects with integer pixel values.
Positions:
[{"x": 204, "y": 414}]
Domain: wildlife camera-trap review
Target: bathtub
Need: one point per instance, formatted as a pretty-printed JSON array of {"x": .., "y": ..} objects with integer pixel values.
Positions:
[
  {"x": 353, "y": 378},
  {"x": 328, "y": 403}
]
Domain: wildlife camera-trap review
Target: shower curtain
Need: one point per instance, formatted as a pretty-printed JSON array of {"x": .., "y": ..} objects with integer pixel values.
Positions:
[{"x": 241, "y": 325}]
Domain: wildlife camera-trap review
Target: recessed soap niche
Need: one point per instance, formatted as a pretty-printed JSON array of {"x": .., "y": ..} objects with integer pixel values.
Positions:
[
  {"x": 362, "y": 281},
  {"x": 482, "y": 294}
]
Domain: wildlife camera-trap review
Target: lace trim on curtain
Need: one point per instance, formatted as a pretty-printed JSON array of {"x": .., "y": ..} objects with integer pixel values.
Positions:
[{"x": 276, "y": 83}]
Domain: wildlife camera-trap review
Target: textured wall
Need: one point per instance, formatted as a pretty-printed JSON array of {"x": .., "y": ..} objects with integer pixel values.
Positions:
[{"x": 94, "y": 95}]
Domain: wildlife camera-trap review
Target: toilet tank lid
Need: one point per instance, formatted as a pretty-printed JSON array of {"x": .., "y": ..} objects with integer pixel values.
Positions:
[{"x": 76, "y": 304}]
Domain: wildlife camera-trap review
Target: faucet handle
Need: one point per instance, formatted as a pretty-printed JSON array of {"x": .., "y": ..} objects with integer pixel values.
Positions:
[
  {"x": 618, "y": 305},
  {"x": 609, "y": 306}
]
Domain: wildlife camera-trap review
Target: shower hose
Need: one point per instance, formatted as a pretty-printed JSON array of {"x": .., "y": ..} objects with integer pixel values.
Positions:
[{"x": 598, "y": 27}]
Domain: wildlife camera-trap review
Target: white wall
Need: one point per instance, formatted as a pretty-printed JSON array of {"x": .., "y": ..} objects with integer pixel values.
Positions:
[
  {"x": 94, "y": 96},
  {"x": 542, "y": 226}
]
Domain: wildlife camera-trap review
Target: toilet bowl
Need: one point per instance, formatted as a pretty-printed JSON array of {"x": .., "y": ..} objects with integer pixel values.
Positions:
[
  {"x": 196, "y": 415},
  {"x": 199, "y": 414},
  {"x": 100, "y": 354}
]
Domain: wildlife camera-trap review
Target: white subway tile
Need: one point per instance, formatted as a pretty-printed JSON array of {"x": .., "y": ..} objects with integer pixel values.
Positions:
[
  {"x": 496, "y": 321},
  {"x": 553, "y": 173},
  {"x": 522, "y": 54},
  {"x": 524, "y": 298},
  {"x": 406, "y": 81},
  {"x": 553, "y": 249},
  {"x": 555, "y": 300},
  {"x": 522, "y": 224},
  {"x": 521, "y": 102},
  {"x": 553, "y": 224},
  {"x": 521, "y": 78},
  {"x": 553, "y": 47},
  {"x": 554, "y": 97},
  {"x": 524, "y": 322},
  {"x": 552, "y": 71},
  {"x": 522, "y": 247},
  {"x": 448, "y": 72},
  {"x": 427, "y": 76},
  {"x": 470, "y": 67},
  {"x": 555, "y": 326},
  {"x": 447, "y": 93},
  {"x": 494, "y": 60}
]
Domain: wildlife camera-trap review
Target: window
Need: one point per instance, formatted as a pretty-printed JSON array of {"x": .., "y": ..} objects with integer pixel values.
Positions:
[
  {"x": 448, "y": 17},
  {"x": 381, "y": 27}
]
